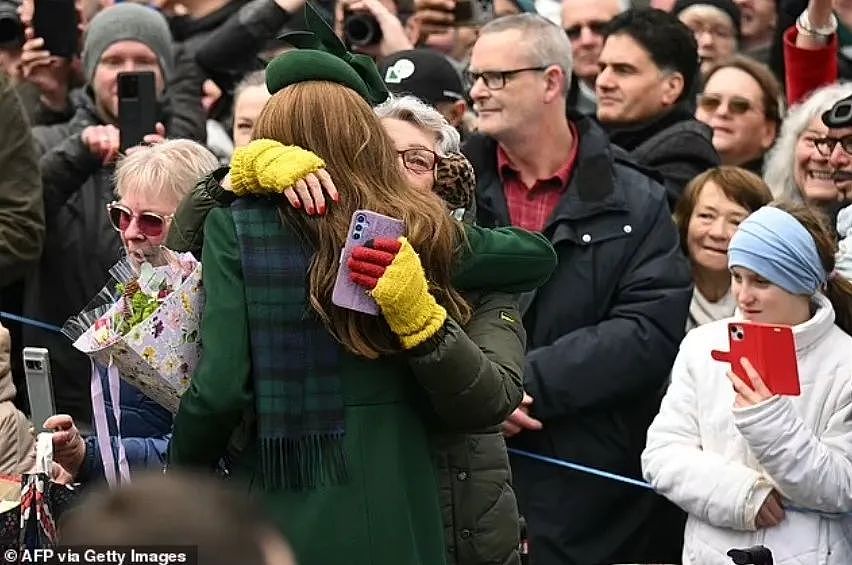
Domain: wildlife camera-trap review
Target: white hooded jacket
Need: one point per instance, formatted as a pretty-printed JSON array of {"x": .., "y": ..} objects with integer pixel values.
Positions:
[{"x": 719, "y": 462}]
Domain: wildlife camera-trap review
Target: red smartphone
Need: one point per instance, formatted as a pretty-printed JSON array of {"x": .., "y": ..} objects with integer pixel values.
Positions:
[
  {"x": 365, "y": 225},
  {"x": 771, "y": 349}
]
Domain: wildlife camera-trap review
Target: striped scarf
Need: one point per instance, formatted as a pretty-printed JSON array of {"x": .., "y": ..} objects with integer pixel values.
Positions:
[{"x": 295, "y": 361}]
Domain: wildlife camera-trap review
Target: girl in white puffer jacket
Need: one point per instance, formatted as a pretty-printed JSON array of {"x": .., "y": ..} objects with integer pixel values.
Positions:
[{"x": 748, "y": 466}]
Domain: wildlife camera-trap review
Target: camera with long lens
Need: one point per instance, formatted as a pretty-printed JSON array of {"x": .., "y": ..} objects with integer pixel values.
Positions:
[
  {"x": 360, "y": 29},
  {"x": 11, "y": 28}
]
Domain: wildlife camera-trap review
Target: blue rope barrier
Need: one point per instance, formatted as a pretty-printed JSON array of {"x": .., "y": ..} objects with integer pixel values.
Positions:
[
  {"x": 30, "y": 322},
  {"x": 637, "y": 482},
  {"x": 581, "y": 468}
]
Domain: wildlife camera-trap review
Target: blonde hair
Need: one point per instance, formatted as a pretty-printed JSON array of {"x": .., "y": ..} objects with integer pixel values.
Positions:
[
  {"x": 339, "y": 126},
  {"x": 167, "y": 170}
]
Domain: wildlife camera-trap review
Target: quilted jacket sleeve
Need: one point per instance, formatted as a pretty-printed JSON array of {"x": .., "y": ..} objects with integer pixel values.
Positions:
[{"x": 814, "y": 472}]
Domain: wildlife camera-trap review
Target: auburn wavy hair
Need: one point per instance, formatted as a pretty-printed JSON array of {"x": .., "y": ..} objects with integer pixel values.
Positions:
[{"x": 340, "y": 127}]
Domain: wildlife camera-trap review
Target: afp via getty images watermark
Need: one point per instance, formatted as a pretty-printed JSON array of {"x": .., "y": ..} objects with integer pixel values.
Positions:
[{"x": 124, "y": 555}]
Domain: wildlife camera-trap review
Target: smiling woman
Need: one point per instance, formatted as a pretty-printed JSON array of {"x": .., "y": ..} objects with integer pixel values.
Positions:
[
  {"x": 795, "y": 169},
  {"x": 712, "y": 207}
]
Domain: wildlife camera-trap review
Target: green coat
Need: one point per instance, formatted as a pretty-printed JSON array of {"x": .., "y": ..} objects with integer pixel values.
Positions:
[{"x": 388, "y": 513}]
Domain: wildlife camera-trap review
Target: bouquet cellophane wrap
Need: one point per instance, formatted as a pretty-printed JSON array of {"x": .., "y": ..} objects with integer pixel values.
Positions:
[{"x": 158, "y": 355}]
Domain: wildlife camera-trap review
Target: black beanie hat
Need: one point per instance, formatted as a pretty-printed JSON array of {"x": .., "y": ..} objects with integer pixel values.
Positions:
[{"x": 726, "y": 6}]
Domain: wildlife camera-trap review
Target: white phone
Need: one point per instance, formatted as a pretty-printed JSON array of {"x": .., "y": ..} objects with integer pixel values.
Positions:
[{"x": 39, "y": 385}]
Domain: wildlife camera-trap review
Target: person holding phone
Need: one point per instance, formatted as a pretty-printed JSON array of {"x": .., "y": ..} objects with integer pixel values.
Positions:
[
  {"x": 749, "y": 466},
  {"x": 370, "y": 478}
]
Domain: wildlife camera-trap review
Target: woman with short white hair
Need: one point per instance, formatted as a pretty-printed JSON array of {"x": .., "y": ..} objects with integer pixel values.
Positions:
[{"x": 150, "y": 183}]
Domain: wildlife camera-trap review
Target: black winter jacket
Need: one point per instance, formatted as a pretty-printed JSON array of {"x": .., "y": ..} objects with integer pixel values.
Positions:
[
  {"x": 675, "y": 145},
  {"x": 602, "y": 335}
]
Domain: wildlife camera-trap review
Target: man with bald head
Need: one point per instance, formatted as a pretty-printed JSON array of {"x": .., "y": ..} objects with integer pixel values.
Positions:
[{"x": 583, "y": 22}]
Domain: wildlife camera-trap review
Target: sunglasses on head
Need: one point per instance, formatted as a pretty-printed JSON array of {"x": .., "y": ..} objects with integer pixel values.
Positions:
[
  {"x": 737, "y": 105},
  {"x": 149, "y": 224},
  {"x": 574, "y": 31}
]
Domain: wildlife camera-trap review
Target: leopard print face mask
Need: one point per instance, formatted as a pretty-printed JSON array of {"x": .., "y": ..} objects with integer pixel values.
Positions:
[{"x": 455, "y": 181}]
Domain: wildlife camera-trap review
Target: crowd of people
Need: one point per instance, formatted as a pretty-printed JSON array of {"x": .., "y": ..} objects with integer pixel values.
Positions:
[{"x": 591, "y": 192}]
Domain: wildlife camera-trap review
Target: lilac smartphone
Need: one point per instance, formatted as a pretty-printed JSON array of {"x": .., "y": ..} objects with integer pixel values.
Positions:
[{"x": 365, "y": 225}]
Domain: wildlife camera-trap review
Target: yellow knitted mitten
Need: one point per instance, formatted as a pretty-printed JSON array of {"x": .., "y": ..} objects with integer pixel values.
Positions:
[
  {"x": 265, "y": 166},
  {"x": 403, "y": 295}
]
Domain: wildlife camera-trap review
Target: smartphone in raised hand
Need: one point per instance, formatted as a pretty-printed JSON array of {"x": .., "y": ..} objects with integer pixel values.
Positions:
[
  {"x": 770, "y": 348},
  {"x": 39, "y": 385},
  {"x": 365, "y": 225},
  {"x": 137, "y": 107},
  {"x": 56, "y": 22}
]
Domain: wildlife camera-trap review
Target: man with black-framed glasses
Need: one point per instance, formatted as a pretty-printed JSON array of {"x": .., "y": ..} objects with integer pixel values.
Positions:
[
  {"x": 837, "y": 146},
  {"x": 603, "y": 332}
]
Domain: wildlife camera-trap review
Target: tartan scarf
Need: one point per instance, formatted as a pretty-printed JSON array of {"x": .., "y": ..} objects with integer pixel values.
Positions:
[{"x": 295, "y": 361}]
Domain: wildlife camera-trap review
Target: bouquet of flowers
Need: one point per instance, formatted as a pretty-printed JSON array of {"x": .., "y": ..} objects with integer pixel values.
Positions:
[{"x": 145, "y": 323}]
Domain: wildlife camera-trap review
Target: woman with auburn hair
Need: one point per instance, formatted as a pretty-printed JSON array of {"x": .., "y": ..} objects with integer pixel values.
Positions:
[
  {"x": 712, "y": 206},
  {"x": 320, "y": 409}
]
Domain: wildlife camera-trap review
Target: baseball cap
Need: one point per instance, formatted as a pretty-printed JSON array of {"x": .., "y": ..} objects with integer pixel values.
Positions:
[
  {"x": 426, "y": 74},
  {"x": 839, "y": 115}
]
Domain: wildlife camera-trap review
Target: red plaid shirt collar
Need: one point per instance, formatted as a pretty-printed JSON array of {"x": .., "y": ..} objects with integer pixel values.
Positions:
[{"x": 531, "y": 207}]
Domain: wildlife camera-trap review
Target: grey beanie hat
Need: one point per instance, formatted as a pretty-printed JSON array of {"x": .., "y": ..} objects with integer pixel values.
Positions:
[{"x": 126, "y": 22}]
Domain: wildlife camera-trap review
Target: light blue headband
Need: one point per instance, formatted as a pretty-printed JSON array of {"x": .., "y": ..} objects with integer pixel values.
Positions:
[{"x": 773, "y": 244}]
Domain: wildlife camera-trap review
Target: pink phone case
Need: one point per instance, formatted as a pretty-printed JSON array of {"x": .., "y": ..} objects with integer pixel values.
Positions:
[{"x": 365, "y": 225}]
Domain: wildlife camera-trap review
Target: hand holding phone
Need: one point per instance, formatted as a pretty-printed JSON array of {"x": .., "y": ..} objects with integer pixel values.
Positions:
[
  {"x": 771, "y": 349},
  {"x": 365, "y": 225}
]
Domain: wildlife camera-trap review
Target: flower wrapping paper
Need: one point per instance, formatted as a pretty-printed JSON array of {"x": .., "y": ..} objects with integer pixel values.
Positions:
[{"x": 159, "y": 355}]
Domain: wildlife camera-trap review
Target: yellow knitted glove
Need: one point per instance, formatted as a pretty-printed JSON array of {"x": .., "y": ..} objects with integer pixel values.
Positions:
[
  {"x": 265, "y": 166},
  {"x": 403, "y": 295}
]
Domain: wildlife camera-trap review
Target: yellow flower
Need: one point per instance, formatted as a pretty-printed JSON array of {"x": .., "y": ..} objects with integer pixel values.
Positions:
[
  {"x": 187, "y": 305},
  {"x": 149, "y": 354},
  {"x": 170, "y": 366}
]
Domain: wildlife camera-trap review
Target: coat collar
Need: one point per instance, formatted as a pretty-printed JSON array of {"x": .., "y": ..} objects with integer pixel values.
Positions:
[{"x": 592, "y": 189}]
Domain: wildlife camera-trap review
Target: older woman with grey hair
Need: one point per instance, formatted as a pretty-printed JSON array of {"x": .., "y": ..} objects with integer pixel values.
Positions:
[
  {"x": 149, "y": 183},
  {"x": 795, "y": 169}
]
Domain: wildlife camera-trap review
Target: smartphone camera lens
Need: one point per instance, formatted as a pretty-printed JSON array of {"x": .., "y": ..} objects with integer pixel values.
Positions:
[
  {"x": 361, "y": 218},
  {"x": 358, "y": 227},
  {"x": 356, "y": 236}
]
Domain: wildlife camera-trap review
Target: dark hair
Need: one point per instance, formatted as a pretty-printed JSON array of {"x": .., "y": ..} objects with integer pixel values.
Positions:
[
  {"x": 773, "y": 95},
  {"x": 667, "y": 40},
  {"x": 739, "y": 185},
  {"x": 838, "y": 288},
  {"x": 172, "y": 510}
]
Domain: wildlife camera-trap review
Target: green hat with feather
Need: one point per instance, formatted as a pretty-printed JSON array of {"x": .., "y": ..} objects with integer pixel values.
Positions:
[{"x": 320, "y": 55}]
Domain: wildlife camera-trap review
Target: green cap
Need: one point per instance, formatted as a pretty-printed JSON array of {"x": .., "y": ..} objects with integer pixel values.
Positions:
[{"x": 320, "y": 55}]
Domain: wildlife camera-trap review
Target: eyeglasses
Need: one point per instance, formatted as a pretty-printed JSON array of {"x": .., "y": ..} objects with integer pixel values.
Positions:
[
  {"x": 495, "y": 80},
  {"x": 826, "y": 145},
  {"x": 596, "y": 27},
  {"x": 737, "y": 105},
  {"x": 149, "y": 224},
  {"x": 419, "y": 160}
]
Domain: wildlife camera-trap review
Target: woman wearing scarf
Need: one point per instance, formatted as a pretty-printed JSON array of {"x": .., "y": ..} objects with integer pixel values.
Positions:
[
  {"x": 748, "y": 466},
  {"x": 337, "y": 442}
]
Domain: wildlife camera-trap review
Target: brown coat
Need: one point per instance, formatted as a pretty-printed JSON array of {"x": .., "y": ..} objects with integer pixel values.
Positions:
[{"x": 17, "y": 440}]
